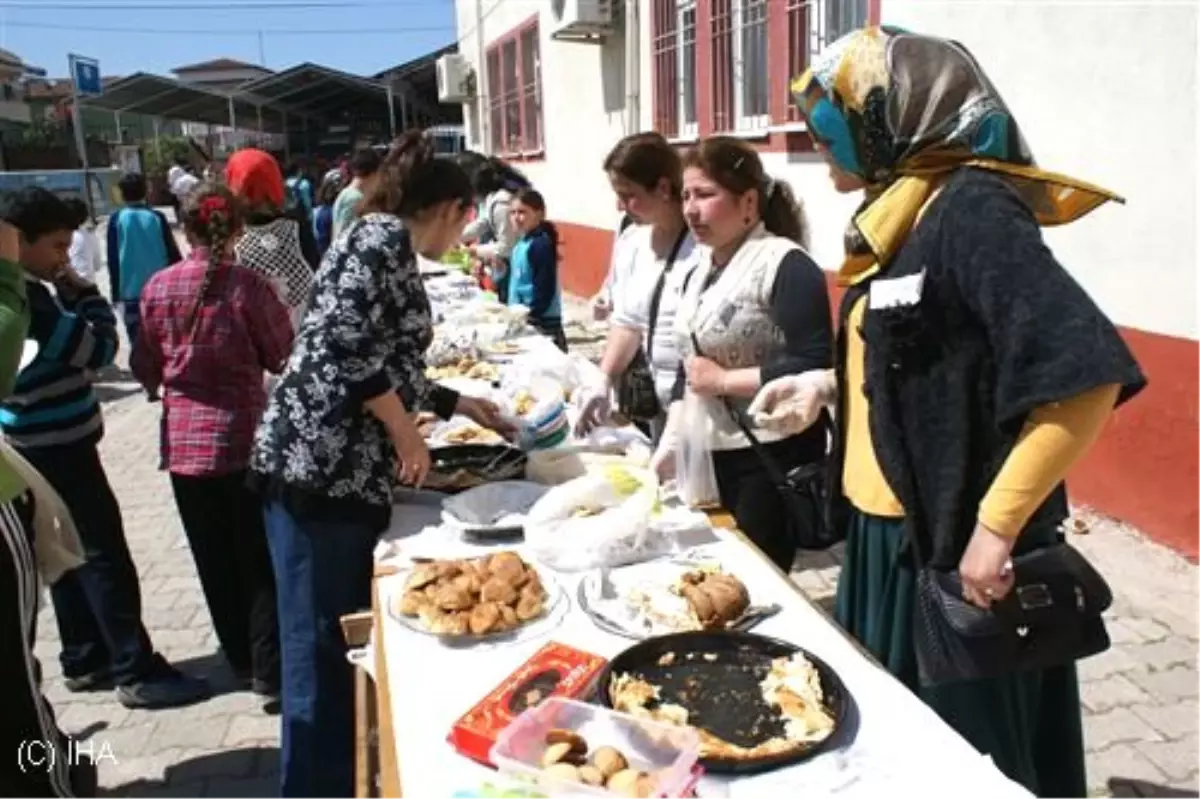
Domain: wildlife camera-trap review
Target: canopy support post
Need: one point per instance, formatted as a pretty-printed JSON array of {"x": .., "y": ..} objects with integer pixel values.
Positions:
[{"x": 391, "y": 98}]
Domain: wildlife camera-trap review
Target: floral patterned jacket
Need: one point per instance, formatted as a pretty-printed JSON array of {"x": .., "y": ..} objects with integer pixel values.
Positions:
[{"x": 366, "y": 330}]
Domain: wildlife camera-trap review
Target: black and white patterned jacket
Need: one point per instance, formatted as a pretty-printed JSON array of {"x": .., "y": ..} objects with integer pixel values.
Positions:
[{"x": 365, "y": 332}]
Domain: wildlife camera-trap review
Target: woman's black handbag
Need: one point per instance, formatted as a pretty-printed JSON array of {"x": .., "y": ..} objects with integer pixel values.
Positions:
[
  {"x": 804, "y": 489},
  {"x": 637, "y": 397},
  {"x": 1051, "y": 617}
]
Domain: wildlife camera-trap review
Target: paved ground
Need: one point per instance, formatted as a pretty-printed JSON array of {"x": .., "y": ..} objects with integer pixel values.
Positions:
[{"x": 1140, "y": 698}]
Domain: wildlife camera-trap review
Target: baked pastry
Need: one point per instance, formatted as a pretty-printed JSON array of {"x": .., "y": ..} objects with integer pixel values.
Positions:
[
  {"x": 479, "y": 596},
  {"x": 714, "y": 599}
]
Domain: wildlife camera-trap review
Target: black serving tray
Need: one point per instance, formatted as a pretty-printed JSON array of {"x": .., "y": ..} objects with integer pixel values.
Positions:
[
  {"x": 724, "y": 696},
  {"x": 488, "y": 463}
]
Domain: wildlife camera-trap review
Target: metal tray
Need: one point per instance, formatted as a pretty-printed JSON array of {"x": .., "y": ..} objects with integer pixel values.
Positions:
[{"x": 724, "y": 696}]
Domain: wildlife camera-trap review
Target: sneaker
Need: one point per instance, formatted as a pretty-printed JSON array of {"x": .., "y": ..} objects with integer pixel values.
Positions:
[
  {"x": 92, "y": 681},
  {"x": 164, "y": 686}
]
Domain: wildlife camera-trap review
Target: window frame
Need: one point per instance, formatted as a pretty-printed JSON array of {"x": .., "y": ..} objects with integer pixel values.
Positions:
[
  {"x": 503, "y": 99},
  {"x": 791, "y": 39}
]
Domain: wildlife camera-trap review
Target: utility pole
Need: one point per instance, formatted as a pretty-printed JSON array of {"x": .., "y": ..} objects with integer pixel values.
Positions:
[{"x": 262, "y": 50}]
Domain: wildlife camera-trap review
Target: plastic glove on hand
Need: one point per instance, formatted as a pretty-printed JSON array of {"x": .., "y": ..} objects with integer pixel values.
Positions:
[
  {"x": 790, "y": 405},
  {"x": 595, "y": 408}
]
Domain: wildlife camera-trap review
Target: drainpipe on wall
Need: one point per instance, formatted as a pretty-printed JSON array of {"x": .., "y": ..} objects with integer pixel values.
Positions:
[
  {"x": 633, "y": 81},
  {"x": 481, "y": 80}
]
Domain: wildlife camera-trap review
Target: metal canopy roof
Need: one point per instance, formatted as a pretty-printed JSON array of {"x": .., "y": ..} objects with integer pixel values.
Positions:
[
  {"x": 313, "y": 90},
  {"x": 156, "y": 96}
]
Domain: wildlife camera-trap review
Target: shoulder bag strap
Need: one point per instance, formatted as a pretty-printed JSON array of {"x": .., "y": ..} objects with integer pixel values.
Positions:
[
  {"x": 656, "y": 298},
  {"x": 769, "y": 465}
]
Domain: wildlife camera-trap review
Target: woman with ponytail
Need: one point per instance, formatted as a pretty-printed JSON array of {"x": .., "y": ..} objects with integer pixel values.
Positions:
[
  {"x": 339, "y": 431},
  {"x": 210, "y": 329},
  {"x": 755, "y": 308}
]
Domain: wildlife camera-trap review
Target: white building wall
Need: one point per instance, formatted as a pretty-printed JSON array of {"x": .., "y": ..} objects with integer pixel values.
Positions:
[
  {"x": 583, "y": 88},
  {"x": 1103, "y": 92}
]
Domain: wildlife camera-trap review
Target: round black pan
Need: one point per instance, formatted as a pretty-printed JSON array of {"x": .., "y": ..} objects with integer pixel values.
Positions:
[
  {"x": 489, "y": 462},
  {"x": 724, "y": 696}
]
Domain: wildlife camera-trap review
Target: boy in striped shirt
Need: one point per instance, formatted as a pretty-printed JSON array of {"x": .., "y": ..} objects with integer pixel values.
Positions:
[{"x": 53, "y": 419}]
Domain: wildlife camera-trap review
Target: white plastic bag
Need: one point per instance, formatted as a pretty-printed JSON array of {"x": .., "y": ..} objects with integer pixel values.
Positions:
[
  {"x": 694, "y": 475},
  {"x": 618, "y": 503}
]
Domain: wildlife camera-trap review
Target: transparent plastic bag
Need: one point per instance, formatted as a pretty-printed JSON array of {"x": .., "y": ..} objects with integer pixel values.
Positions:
[
  {"x": 694, "y": 475},
  {"x": 599, "y": 519}
]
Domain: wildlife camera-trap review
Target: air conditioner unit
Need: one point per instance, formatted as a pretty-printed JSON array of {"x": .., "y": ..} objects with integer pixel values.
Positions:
[
  {"x": 455, "y": 79},
  {"x": 588, "y": 21}
]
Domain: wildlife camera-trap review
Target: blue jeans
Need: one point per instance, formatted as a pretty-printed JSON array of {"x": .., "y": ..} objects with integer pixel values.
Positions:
[{"x": 322, "y": 572}]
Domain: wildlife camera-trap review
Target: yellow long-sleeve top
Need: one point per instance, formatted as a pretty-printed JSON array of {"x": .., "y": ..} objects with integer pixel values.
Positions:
[{"x": 1052, "y": 439}]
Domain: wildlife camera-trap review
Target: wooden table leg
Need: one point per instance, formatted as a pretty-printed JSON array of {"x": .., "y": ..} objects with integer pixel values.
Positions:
[{"x": 389, "y": 767}]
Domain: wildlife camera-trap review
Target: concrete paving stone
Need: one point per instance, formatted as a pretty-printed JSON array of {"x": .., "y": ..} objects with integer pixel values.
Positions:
[
  {"x": 811, "y": 583},
  {"x": 1168, "y": 653},
  {"x": 248, "y": 728},
  {"x": 185, "y": 599},
  {"x": 1121, "y": 761},
  {"x": 128, "y": 743},
  {"x": 1112, "y": 691},
  {"x": 1168, "y": 686},
  {"x": 1174, "y": 720},
  {"x": 1191, "y": 783},
  {"x": 1148, "y": 629},
  {"x": 256, "y": 787},
  {"x": 175, "y": 639},
  {"x": 195, "y": 733},
  {"x": 1119, "y": 725},
  {"x": 216, "y": 762},
  {"x": 74, "y": 717},
  {"x": 1112, "y": 661},
  {"x": 1177, "y": 759},
  {"x": 197, "y": 788},
  {"x": 123, "y": 767}
]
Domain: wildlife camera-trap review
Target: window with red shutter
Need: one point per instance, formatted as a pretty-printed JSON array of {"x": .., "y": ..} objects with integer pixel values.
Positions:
[
  {"x": 673, "y": 56},
  {"x": 515, "y": 92}
]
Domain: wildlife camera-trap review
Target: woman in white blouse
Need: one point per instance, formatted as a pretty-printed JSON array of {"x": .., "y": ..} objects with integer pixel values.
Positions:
[{"x": 651, "y": 260}]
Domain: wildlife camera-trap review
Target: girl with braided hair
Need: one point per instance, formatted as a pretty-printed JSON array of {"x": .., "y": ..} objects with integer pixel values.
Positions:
[{"x": 210, "y": 329}]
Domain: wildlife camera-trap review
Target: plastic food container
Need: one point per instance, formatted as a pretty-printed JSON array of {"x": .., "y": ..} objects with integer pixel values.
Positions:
[{"x": 666, "y": 751}]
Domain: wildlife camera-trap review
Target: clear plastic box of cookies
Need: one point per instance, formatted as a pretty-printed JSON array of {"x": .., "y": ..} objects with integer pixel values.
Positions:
[{"x": 570, "y": 748}]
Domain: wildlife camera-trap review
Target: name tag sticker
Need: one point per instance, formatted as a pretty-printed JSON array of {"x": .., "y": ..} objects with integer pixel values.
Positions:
[{"x": 896, "y": 292}]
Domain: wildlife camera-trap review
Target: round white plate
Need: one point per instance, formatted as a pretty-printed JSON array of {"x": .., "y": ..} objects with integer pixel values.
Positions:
[{"x": 551, "y": 615}]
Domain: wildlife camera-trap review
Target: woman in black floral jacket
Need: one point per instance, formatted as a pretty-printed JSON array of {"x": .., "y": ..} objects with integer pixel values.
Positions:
[{"x": 336, "y": 434}]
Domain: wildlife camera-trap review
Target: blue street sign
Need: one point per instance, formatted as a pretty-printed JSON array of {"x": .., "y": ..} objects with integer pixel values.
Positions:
[{"x": 86, "y": 74}]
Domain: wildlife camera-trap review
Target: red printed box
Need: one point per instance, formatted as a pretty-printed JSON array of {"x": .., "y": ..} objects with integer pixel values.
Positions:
[{"x": 554, "y": 670}]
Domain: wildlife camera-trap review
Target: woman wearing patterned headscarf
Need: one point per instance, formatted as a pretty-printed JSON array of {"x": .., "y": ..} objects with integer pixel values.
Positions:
[{"x": 972, "y": 371}]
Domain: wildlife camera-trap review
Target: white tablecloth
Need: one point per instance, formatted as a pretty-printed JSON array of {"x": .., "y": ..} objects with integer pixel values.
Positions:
[{"x": 891, "y": 743}]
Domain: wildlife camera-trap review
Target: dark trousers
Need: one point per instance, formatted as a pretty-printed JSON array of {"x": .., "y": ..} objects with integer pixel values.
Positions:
[
  {"x": 747, "y": 492},
  {"x": 131, "y": 315},
  {"x": 223, "y": 521},
  {"x": 322, "y": 572},
  {"x": 40, "y": 762},
  {"x": 98, "y": 606}
]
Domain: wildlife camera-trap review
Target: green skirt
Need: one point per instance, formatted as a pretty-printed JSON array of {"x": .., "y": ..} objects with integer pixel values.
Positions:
[{"x": 1030, "y": 723}]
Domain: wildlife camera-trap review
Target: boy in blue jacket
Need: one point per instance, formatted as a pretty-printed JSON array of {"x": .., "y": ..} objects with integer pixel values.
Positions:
[
  {"x": 140, "y": 243},
  {"x": 533, "y": 270}
]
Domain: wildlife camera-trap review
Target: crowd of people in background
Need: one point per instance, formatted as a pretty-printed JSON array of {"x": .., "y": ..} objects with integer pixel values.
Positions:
[{"x": 287, "y": 348}]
